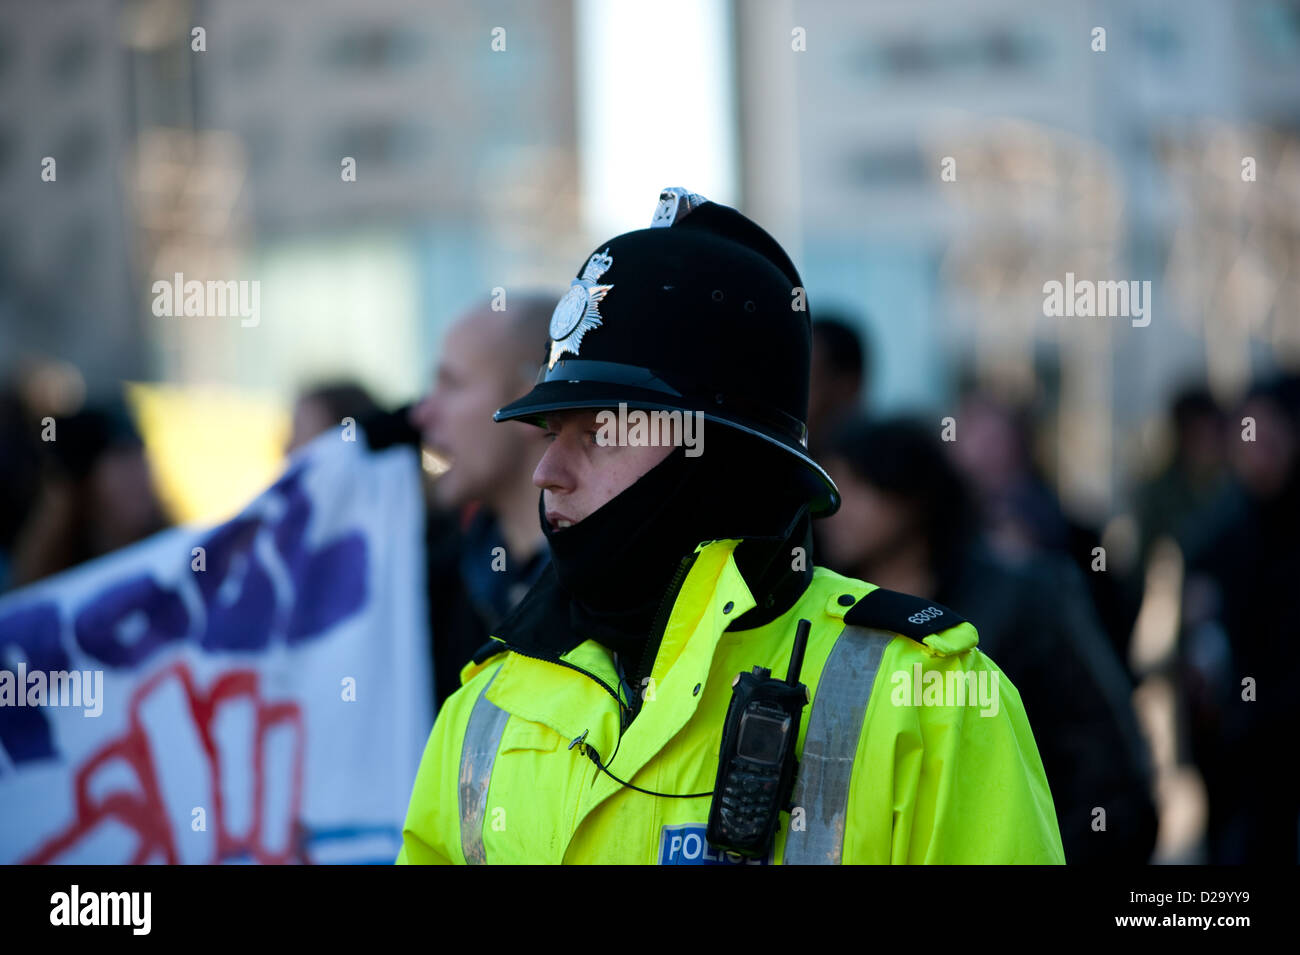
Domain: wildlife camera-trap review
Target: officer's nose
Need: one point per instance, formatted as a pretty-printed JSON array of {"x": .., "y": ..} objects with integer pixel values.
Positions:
[{"x": 554, "y": 471}]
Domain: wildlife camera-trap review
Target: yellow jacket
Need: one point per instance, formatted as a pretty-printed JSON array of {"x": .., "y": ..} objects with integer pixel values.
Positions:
[{"x": 933, "y": 778}]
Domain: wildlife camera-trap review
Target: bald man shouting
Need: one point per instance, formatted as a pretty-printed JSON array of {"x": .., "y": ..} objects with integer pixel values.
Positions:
[{"x": 486, "y": 547}]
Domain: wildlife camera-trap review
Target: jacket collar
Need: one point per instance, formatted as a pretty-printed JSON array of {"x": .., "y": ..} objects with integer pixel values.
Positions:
[
  {"x": 541, "y": 681},
  {"x": 766, "y": 565}
]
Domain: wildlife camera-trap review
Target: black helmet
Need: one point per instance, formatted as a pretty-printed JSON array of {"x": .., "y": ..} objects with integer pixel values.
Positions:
[{"x": 703, "y": 311}]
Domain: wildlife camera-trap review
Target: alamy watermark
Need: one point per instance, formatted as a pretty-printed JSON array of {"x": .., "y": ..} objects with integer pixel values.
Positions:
[
  {"x": 1088, "y": 299},
  {"x": 920, "y": 687},
  {"x": 130, "y": 909},
  {"x": 83, "y": 688},
  {"x": 213, "y": 299},
  {"x": 651, "y": 428}
]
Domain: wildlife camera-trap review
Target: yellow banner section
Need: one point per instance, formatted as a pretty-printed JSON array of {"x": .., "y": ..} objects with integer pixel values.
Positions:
[{"x": 212, "y": 450}]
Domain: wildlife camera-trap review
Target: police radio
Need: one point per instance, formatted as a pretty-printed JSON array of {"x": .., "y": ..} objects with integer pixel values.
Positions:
[{"x": 756, "y": 763}]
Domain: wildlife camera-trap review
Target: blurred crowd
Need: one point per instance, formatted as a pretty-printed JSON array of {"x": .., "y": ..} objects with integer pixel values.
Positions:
[
  {"x": 973, "y": 523},
  {"x": 1137, "y": 666}
]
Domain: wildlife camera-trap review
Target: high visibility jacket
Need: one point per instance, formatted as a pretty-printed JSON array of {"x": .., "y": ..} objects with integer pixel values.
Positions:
[{"x": 894, "y": 767}]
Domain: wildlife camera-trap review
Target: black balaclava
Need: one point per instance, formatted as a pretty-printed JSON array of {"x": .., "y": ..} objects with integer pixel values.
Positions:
[{"x": 612, "y": 571}]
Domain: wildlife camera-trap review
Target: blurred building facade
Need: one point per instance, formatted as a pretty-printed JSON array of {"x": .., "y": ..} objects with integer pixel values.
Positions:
[
  {"x": 228, "y": 162},
  {"x": 66, "y": 284},
  {"x": 1064, "y": 157}
]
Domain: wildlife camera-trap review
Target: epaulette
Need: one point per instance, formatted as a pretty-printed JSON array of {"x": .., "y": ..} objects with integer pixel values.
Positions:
[
  {"x": 482, "y": 655},
  {"x": 488, "y": 651},
  {"x": 913, "y": 617}
]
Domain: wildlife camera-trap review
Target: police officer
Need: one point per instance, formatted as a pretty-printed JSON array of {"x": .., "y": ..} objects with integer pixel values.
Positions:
[{"x": 592, "y": 727}]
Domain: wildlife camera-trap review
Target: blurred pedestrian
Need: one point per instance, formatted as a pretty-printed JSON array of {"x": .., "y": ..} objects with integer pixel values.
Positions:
[
  {"x": 20, "y": 469},
  {"x": 323, "y": 406},
  {"x": 485, "y": 543},
  {"x": 1239, "y": 674},
  {"x": 1020, "y": 515},
  {"x": 1177, "y": 500},
  {"x": 839, "y": 376},
  {"x": 96, "y": 495}
]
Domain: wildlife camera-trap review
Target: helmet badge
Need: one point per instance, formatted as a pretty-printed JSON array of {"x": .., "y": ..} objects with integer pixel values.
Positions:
[
  {"x": 578, "y": 311},
  {"x": 675, "y": 204}
]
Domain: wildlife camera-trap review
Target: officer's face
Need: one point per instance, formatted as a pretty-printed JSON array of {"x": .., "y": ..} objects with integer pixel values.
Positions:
[{"x": 577, "y": 474}]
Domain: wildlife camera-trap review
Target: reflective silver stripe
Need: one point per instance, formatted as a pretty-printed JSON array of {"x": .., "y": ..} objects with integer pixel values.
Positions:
[
  {"x": 478, "y": 752},
  {"x": 826, "y": 767}
]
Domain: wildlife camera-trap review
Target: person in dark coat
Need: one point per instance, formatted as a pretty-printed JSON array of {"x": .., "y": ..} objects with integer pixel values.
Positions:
[{"x": 1238, "y": 672}]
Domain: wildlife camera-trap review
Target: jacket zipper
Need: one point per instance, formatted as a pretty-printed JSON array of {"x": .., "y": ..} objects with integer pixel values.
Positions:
[
  {"x": 626, "y": 711},
  {"x": 661, "y": 618}
]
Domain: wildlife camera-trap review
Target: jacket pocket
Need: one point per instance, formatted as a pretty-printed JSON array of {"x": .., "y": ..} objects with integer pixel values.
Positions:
[{"x": 520, "y": 734}]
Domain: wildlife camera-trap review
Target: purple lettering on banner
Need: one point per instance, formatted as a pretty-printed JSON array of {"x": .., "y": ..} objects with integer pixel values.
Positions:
[
  {"x": 34, "y": 629},
  {"x": 330, "y": 586},
  {"x": 157, "y": 615},
  {"x": 128, "y": 620},
  {"x": 236, "y": 590},
  {"x": 291, "y": 529}
]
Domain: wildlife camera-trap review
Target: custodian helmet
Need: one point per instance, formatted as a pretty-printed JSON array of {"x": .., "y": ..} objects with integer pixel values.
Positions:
[{"x": 703, "y": 311}]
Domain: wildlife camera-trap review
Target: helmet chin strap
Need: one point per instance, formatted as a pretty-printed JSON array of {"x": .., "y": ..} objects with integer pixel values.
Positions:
[
  {"x": 775, "y": 546},
  {"x": 789, "y": 529}
]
